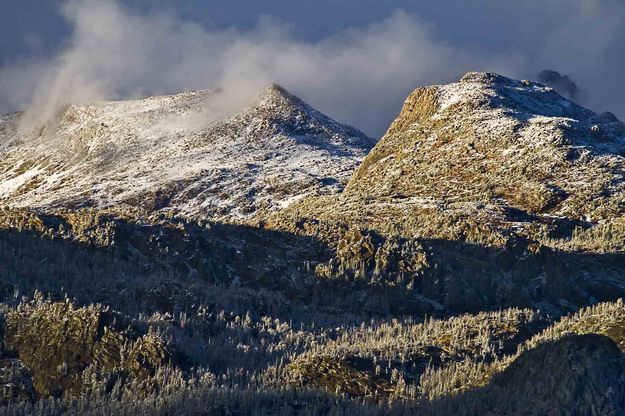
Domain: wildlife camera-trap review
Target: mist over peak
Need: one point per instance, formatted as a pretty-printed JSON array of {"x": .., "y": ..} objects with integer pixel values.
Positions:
[{"x": 357, "y": 71}]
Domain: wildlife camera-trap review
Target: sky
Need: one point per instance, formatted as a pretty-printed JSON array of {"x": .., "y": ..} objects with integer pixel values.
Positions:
[{"x": 355, "y": 60}]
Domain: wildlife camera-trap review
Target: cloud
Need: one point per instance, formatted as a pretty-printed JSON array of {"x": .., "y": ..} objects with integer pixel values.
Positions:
[
  {"x": 588, "y": 45},
  {"x": 563, "y": 84},
  {"x": 358, "y": 75}
]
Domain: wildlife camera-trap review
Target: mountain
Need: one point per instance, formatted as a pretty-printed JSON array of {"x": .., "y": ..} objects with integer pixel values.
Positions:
[
  {"x": 484, "y": 193},
  {"x": 511, "y": 156},
  {"x": 167, "y": 153},
  {"x": 495, "y": 141},
  {"x": 472, "y": 262},
  {"x": 491, "y": 140}
]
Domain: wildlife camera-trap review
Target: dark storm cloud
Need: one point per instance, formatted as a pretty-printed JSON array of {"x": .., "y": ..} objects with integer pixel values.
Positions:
[
  {"x": 355, "y": 60},
  {"x": 561, "y": 83}
]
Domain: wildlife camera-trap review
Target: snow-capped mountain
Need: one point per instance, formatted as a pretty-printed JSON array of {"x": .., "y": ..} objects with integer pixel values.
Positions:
[
  {"x": 491, "y": 209},
  {"x": 483, "y": 193},
  {"x": 168, "y": 152}
]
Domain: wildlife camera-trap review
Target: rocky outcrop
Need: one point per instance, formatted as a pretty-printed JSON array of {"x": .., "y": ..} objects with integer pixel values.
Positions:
[
  {"x": 57, "y": 342},
  {"x": 561, "y": 83}
]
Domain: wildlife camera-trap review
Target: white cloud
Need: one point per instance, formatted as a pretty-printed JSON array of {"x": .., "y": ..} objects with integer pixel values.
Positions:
[{"x": 360, "y": 75}]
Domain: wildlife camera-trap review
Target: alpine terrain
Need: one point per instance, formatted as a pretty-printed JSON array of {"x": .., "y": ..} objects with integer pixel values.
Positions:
[
  {"x": 166, "y": 153},
  {"x": 168, "y": 256}
]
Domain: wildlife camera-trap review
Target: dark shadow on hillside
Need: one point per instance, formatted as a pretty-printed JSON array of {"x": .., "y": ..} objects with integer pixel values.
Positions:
[
  {"x": 574, "y": 375},
  {"x": 145, "y": 267},
  {"x": 472, "y": 278},
  {"x": 176, "y": 266}
]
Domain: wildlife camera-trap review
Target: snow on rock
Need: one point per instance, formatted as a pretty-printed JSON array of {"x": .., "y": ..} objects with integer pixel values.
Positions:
[
  {"x": 178, "y": 153},
  {"x": 488, "y": 140}
]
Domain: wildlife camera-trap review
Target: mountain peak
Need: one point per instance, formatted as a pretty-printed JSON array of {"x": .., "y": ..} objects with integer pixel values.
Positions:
[
  {"x": 278, "y": 110},
  {"x": 492, "y": 78},
  {"x": 493, "y": 141},
  {"x": 483, "y": 77},
  {"x": 522, "y": 98},
  {"x": 277, "y": 93},
  {"x": 276, "y": 98},
  {"x": 277, "y": 90}
]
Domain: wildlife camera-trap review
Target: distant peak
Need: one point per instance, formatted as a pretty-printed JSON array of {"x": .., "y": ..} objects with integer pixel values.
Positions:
[{"x": 277, "y": 92}]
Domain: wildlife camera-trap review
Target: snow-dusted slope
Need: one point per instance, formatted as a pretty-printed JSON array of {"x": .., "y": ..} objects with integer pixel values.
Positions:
[{"x": 166, "y": 153}]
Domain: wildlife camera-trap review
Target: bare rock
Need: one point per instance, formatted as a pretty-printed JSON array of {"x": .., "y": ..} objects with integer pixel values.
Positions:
[{"x": 58, "y": 342}]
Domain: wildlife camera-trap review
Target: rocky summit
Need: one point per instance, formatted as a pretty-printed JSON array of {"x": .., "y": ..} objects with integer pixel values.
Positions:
[
  {"x": 501, "y": 143},
  {"x": 170, "y": 256}
]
